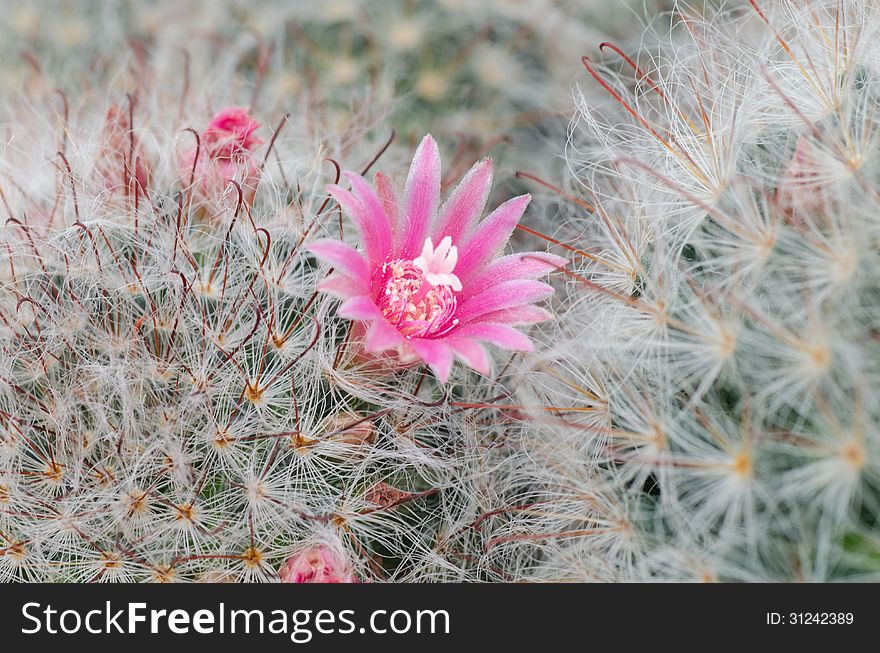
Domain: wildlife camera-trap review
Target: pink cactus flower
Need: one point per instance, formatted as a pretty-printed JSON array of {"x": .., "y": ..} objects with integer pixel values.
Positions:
[
  {"x": 431, "y": 285},
  {"x": 225, "y": 153},
  {"x": 317, "y": 564}
]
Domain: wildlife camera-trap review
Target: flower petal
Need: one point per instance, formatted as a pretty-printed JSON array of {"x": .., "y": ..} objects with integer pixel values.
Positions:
[
  {"x": 471, "y": 352},
  {"x": 359, "y": 308},
  {"x": 345, "y": 258},
  {"x": 504, "y": 295},
  {"x": 386, "y": 193},
  {"x": 529, "y": 265},
  {"x": 421, "y": 196},
  {"x": 382, "y": 336},
  {"x": 466, "y": 203},
  {"x": 515, "y": 316},
  {"x": 497, "y": 334},
  {"x": 437, "y": 354},
  {"x": 490, "y": 236},
  {"x": 370, "y": 220},
  {"x": 341, "y": 286},
  {"x": 380, "y": 220}
]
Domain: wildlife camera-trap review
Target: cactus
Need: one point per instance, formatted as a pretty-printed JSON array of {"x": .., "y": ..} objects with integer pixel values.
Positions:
[
  {"x": 716, "y": 364},
  {"x": 177, "y": 401}
]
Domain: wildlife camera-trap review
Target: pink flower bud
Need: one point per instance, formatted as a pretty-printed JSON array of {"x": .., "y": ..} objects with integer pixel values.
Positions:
[
  {"x": 802, "y": 183},
  {"x": 225, "y": 153},
  {"x": 121, "y": 164},
  {"x": 385, "y": 496},
  {"x": 317, "y": 564}
]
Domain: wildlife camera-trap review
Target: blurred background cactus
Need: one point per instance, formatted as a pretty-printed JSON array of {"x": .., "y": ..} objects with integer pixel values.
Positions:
[
  {"x": 480, "y": 73},
  {"x": 715, "y": 369}
]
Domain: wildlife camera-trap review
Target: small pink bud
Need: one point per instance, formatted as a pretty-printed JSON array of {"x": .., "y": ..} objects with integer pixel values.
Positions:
[
  {"x": 317, "y": 564},
  {"x": 121, "y": 163},
  {"x": 230, "y": 132},
  {"x": 225, "y": 153},
  {"x": 385, "y": 496},
  {"x": 801, "y": 185}
]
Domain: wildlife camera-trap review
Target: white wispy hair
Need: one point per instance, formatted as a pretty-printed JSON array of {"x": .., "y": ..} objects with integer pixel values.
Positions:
[{"x": 722, "y": 310}]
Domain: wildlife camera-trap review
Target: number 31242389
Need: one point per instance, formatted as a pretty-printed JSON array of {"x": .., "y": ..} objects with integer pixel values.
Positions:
[{"x": 810, "y": 618}]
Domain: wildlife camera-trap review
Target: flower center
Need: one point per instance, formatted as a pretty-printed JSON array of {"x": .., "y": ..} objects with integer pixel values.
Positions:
[{"x": 412, "y": 304}]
